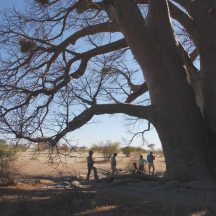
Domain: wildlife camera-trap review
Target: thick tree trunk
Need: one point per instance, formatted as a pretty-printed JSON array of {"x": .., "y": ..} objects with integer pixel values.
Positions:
[
  {"x": 204, "y": 16},
  {"x": 182, "y": 137},
  {"x": 179, "y": 123},
  {"x": 208, "y": 73}
]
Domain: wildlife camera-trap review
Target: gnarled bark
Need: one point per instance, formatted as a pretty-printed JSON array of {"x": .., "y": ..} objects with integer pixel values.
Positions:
[{"x": 179, "y": 125}]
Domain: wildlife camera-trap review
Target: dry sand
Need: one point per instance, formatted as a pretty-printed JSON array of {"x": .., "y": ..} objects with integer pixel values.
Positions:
[{"x": 49, "y": 175}]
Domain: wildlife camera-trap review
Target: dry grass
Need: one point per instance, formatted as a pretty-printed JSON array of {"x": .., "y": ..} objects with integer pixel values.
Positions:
[{"x": 39, "y": 193}]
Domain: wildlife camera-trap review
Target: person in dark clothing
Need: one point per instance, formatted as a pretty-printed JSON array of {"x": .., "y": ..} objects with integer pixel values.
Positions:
[
  {"x": 90, "y": 163},
  {"x": 113, "y": 164}
]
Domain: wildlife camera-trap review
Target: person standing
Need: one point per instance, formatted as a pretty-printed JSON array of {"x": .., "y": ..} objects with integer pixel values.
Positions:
[
  {"x": 141, "y": 162},
  {"x": 113, "y": 164},
  {"x": 90, "y": 163},
  {"x": 150, "y": 160}
]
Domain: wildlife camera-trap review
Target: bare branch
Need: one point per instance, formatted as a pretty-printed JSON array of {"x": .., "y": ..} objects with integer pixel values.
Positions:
[
  {"x": 99, "y": 109},
  {"x": 184, "y": 19},
  {"x": 140, "y": 90}
]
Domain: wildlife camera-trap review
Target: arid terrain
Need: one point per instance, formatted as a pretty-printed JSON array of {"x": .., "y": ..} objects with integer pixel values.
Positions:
[{"x": 56, "y": 185}]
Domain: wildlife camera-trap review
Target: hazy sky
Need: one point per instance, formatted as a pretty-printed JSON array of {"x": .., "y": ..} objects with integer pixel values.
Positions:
[{"x": 106, "y": 127}]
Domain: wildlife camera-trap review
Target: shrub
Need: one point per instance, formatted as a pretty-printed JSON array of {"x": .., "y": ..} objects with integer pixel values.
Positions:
[
  {"x": 128, "y": 150},
  {"x": 96, "y": 148},
  {"x": 151, "y": 147},
  {"x": 21, "y": 147},
  {"x": 6, "y": 169},
  {"x": 82, "y": 149},
  {"x": 5, "y": 150},
  {"x": 159, "y": 152},
  {"x": 64, "y": 148},
  {"x": 106, "y": 149},
  {"x": 39, "y": 147}
]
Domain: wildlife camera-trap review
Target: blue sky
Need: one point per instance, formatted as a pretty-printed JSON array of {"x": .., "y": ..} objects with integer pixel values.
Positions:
[
  {"x": 106, "y": 127},
  {"x": 9, "y": 3}
]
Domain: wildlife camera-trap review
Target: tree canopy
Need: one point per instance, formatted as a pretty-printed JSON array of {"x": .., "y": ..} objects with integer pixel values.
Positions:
[
  {"x": 62, "y": 63},
  {"x": 65, "y": 61}
]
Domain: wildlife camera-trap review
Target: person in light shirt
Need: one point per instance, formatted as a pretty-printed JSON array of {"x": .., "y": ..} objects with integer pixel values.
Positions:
[
  {"x": 141, "y": 162},
  {"x": 150, "y": 160}
]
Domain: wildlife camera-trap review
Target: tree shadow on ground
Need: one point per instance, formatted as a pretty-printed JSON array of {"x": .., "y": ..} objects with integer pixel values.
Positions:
[
  {"x": 45, "y": 195},
  {"x": 43, "y": 200}
]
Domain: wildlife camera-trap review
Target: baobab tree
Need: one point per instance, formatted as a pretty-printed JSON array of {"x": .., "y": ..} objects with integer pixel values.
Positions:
[{"x": 65, "y": 61}]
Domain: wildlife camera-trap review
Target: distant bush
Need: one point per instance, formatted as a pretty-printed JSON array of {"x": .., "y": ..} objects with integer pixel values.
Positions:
[
  {"x": 151, "y": 147},
  {"x": 21, "y": 147},
  {"x": 43, "y": 146},
  {"x": 96, "y": 148},
  {"x": 82, "y": 149},
  {"x": 68, "y": 148},
  {"x": 128, "y": 150},
  {"x": 107, "y": 149},
  {"x": 159, "y": 152},
  {"x": 64, "y": 148}
]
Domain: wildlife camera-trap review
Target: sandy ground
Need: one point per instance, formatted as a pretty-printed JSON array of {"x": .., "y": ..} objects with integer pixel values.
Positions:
[
  {"x": 43, "y": 164},
  {"x": 43, "y": 179}
]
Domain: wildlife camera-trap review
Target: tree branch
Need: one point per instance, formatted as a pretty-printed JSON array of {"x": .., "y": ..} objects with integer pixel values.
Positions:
[
  {"x": 184, "y": 19},
  {"x": 140, "y": 90},
  {"x": 176, "y": 13},
  {"x": 100, "y": 109}
]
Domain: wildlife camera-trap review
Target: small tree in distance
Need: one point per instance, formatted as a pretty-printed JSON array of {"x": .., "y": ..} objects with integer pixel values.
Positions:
[
  {"x": 127, "y": 150},
  {"x": 151, "y": 147},
  {"x": 106, "y": 149}
]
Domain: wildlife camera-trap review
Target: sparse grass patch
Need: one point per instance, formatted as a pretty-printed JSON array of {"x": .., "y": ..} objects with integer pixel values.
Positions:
[{"x": 21, "y": 148}]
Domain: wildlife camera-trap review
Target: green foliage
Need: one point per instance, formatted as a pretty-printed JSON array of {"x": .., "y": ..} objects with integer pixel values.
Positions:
[
  {"x": 6, "y": 158},
  {"x": 5, "y": 150},
  {"x": 107, "y": 149},
  {"x": 128, "y": 150}
]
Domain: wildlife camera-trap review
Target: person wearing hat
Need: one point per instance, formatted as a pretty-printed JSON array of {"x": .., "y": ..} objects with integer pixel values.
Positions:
[{"x": 90, "y": 163}]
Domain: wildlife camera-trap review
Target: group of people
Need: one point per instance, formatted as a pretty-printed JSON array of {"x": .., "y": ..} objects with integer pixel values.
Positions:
[
  {"x": 142, "y": 162},
  {"x": 140, "y": 169}
]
